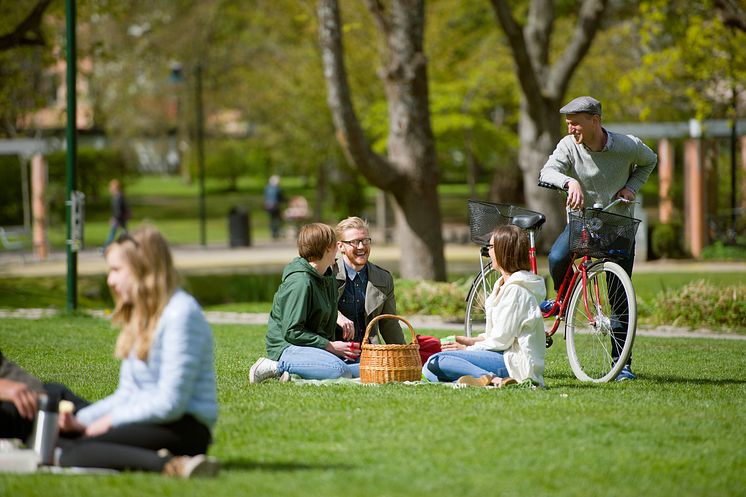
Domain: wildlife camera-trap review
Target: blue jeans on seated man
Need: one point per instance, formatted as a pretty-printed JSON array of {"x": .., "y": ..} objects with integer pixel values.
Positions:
[
  {"x": 311, "y": 363},
  {"x": 450, "y": 365},
  {"x": 559, "y": 261}
]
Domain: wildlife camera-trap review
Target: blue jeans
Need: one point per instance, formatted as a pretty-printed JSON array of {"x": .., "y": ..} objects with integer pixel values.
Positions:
[
  {"x": 275, "y": 222},
  {"x": 450, "y": 365},
  {"x": 311, "y": 363},
  {"x": 560, "y": 260},
  {"x": 113, "y": 232}
]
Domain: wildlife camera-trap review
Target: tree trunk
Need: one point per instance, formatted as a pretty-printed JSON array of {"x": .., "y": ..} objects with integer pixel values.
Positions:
[
  {"x": 409, "y": 172},
  {"x": 538, "y": 140},
  {"x": 543, "y": 87}
]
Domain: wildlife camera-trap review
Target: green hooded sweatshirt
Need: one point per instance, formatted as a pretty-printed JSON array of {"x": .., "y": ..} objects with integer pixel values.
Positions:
[{"x": 304, "y": 309}]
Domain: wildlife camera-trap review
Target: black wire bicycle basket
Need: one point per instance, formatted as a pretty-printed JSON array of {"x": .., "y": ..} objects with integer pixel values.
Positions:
[
  {"x": 484, "y": 217},
  {"x": 602, "y": 235}
]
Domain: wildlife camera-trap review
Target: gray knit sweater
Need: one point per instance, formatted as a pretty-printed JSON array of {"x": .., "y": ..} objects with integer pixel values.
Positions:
[{"x": 624, "y": 161}]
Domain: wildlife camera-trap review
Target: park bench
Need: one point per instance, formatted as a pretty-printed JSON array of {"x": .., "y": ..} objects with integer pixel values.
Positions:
[{"x": 15, "y": 239}]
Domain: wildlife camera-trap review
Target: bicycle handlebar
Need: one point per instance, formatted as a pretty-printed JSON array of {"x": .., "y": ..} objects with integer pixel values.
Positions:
[
  {"x": 550, "y": 186},
  {"x": 620, "y": 199}
]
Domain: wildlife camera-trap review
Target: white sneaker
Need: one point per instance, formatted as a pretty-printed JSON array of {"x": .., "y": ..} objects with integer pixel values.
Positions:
[{"x": 263, "y": 369}]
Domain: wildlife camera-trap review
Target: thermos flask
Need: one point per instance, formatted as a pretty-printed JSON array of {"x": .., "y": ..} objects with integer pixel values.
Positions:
[{"x": 44, "y": 436}]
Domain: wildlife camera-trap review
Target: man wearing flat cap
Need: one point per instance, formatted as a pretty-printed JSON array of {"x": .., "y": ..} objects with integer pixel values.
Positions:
[{"x": 595, "y": 166}]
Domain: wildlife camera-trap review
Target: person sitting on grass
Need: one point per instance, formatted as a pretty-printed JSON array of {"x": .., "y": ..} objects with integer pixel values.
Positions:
[
  {"x": 161, "y": 415},
  {"x": 365, "y": 289},
  {"x": 19, "y": 396},
  {"x": 512, "y": 347},
  {"x": 302, "y": 322}
]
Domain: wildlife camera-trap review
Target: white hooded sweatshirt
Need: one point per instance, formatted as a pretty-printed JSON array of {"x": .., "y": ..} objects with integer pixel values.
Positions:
[{"x": 515, "y": 325}]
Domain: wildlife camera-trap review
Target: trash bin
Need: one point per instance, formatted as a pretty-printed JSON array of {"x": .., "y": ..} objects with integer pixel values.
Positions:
[{"x": 238, "y": 227}]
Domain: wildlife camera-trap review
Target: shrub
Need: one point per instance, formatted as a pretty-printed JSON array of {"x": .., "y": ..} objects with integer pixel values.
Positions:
[
  {"x": 11, "y": 191},
  {"x": 700, "y": 303},
  {"x": 665, "y": 240},
  {"x": 447, "y": 300},
  {"x": 224, "y": 289},
  {"x": 720, "y": 251}
]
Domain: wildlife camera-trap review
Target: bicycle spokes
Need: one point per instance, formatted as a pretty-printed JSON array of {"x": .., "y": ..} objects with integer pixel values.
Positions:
[
  {"x": 476, "y": 318},
  {"x": 599, "y": 331}
]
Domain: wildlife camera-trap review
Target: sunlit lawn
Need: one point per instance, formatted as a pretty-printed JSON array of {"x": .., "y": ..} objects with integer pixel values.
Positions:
[{"x": 678, "y": 430}]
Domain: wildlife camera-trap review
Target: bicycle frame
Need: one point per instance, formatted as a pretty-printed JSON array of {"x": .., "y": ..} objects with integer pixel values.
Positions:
[
  {"x": 572, "y": 273},
  {"x": 600, "y": 324},
  {"x": 574, "y": 270}
]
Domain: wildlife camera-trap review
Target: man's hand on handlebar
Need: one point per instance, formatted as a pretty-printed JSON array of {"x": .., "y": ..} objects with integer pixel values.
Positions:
[
  {"x": 575, "y": 199},
  {"x": 626, "y": 194}
]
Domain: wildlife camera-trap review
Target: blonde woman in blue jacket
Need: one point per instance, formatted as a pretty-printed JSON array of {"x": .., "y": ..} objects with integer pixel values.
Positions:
[
  {"x": 166, "y": 398},
  {"x": 512, "y": 347}
]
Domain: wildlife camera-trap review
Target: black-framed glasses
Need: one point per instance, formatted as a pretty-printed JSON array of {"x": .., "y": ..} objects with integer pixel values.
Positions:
[
  {"x": 356, "y": 243},
  {"x": 491, "y": 245}
]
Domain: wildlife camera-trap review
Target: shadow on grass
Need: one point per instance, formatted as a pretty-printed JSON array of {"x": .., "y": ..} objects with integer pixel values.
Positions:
[
  {"x": 696, "y": 381},
  {"x": 243, "y": 464},
  {"x": 561, "y": 379},
  {"x": 568, "y": 380}
]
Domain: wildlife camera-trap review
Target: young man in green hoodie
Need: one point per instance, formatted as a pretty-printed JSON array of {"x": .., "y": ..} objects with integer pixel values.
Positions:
[{"x": 300, "y": 333}]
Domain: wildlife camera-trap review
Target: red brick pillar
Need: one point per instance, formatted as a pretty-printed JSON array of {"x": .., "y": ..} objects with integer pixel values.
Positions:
[
  {"x": 39, "y": 205},
  {"x": 665, "y": 180},
  {"x": 694, "y": 196}
]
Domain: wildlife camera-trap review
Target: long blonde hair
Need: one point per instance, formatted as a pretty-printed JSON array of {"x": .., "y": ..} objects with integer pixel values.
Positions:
[{"x": 146, "y": 253}]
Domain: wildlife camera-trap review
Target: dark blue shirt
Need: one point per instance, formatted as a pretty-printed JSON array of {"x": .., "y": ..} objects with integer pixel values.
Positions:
[
  {"x": 272, "y": 197},
  {"x": 352, "y": 302}
]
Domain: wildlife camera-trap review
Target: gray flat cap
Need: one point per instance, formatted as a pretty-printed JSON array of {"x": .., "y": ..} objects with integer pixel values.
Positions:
[{"x": 582, "y": 104}]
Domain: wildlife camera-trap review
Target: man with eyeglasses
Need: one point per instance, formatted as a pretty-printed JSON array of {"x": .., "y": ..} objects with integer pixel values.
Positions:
[{"x": 365, "y": 289}]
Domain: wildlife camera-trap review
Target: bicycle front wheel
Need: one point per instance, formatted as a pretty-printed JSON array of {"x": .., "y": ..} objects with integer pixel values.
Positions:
[
  {"x": 601, "y": 323},
  {"x": 476, "y": 319}
]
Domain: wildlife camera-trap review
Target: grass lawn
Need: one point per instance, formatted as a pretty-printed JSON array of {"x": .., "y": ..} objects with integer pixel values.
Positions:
[
  {"x": 173, "y": 206},
  {"x": 678, "y": 430}
]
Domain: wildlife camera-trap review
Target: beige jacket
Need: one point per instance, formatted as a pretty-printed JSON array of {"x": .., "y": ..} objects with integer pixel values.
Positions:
[{"x": 379, "y": 299}]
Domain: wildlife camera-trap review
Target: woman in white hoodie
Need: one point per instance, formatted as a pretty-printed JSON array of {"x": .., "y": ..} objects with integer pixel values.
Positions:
[{"x": 512, "y": 347}]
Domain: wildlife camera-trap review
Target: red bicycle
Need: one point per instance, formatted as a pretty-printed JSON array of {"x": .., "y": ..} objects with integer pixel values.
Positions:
[{"x": 596, "y": 299}]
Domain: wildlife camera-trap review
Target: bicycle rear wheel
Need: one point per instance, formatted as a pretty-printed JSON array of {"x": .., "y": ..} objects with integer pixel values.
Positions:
[
  {"x": 599, "y": 338},
  {"x": 476, "y": 319}
]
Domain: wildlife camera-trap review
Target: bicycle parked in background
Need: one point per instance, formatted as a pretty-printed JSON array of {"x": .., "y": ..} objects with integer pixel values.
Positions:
[{"x": 596, "y": 299}]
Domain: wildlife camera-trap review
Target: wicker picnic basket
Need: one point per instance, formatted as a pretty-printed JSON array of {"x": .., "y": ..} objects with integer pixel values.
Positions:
[{"x": 383, "y": 363}]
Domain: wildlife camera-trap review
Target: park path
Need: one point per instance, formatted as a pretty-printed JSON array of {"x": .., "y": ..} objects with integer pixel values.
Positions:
[{"x": 271, "y": 257}]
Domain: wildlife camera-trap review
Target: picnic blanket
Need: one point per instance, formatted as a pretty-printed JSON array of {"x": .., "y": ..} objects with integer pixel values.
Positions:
[{"x": 297, "y": 380}]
